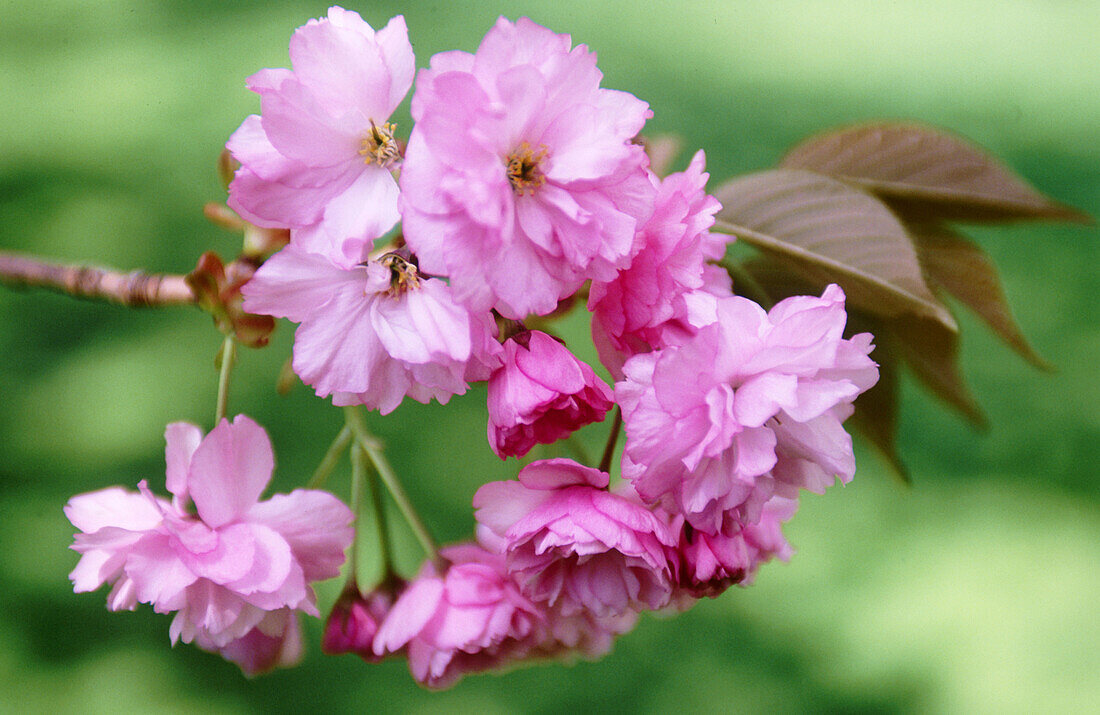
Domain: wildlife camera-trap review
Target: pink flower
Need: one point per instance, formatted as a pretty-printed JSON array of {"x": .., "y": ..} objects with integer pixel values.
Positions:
[
  {"x": 224, "y": 561},
  {"x": 320, "y": 154},
  {"x": 373, "y": 333},
  {"x": 750, "y": 406},
  {"x": 354, "y": 621},
  {"x": 708, "y": 564},
  {"x": 520, "y": 180},
  {"x": 275, "y": 642},
  {"x": 470, "y": 618},
  {"x": 580, "y": 634},
  {"x": 574, "y": 546},
  {"x": 541, "y": 394},
  {"x": 631, "y": 311}
]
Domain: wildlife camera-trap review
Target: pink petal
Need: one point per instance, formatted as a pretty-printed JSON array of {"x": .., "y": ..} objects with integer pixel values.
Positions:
[
  {"x": 409, "y": 615},
  {"x": 314, "y": 524},
  {"x": 181, "y": 441},
  {"x": 294, "y": 283},
  {"x": 342, "y": 66},
  {"x": 229, "y": 470},
  {"x": 113, "y": 506}
]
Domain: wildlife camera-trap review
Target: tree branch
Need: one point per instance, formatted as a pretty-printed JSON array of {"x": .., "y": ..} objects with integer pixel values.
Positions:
[{"x": 134, "y": 289}]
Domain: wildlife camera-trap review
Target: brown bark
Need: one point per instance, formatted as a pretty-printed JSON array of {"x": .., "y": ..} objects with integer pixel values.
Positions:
[{"x": 134, "y": 289}]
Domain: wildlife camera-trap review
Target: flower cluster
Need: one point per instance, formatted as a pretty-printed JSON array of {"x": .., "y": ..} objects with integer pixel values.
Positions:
[{"x": 522, "y": 191}]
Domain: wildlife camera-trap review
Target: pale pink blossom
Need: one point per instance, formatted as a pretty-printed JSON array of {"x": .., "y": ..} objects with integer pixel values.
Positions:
[
  {"x": 375, "y": 332},
  {"x": 632, "y": 312},
  {"x": 215, "y": 554},
  {"x": 749, "y": 407},
  {"x": 520, "y": 180},
  {"x": 275, "y": 642},
  {"x": 540, "y": 394},
  {"x": 470, "y": 618},
  {"x": 320, "y": 154},
  {"x": 574, "y": 546}
]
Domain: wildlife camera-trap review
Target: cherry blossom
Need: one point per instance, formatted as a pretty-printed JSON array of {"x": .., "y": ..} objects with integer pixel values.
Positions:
[
  {"x": 224, "y": 561},
  {"x": 540, "y": 394},
  {"x": 749, "y": 407},
  {"x": 320, "y": 155},
  {"x": 520, "y": 180}
]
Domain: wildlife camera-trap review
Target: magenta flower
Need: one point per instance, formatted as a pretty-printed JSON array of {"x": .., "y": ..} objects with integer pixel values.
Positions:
[
  {"x": 520, "y": 180},
  {"x": 632, "y": 311},
  {"x": 708, "y": 564},
  {"x": 750, "y": 406},
  {"x": 541, "y": 394},
  {"x": 373, "y": 333},
  {"x": 224, "y": 561},
  {"x": 354, "y": 621},
  {"x": 574, "y": 546},
  {"x": 319, "y": 157},
  {"x": 468, "y": 619}
]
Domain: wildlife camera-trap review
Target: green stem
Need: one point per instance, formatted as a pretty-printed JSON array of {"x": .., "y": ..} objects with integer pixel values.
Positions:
[
  {"x": 229, "y": 349},
  {"x": 373, "y": 450},
  {"x": 612, "y": 440},
  {"x": 332, "y": 456},
  {"x": 358, "y": 473},
  {"x": 383, "y": 529}
]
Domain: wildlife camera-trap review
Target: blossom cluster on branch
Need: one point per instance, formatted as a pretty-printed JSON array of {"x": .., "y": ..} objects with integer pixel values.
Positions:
[{"x": 521, "y": 193}]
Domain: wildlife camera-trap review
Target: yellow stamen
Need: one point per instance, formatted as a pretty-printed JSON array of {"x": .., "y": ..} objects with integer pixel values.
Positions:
[
  {"x": 379, "y": 147},
  {"x": 403, "y": 275},
  {"x": 524, "y": 170}
]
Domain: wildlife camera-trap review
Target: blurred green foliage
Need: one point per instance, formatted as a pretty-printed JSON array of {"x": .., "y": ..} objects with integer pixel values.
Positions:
[{"x": 974, "y": 590}]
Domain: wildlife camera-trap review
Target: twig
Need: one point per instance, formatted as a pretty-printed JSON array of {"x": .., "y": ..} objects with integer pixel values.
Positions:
[
  {"x": 612, "y": 440},
  {"x": 136, "y": 289}
]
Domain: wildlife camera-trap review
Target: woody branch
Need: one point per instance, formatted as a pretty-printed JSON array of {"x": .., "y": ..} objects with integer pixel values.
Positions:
[{"x": 134, "y": 288}]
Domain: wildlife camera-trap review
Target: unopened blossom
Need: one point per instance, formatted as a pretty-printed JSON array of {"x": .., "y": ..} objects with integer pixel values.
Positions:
[
  {"x": 707, "y": 564},
  {"x": 354, "y": 621},
  {"x": 574, "y": 546},
  {"x": 751, "y": 406},
  {"x": 320, "y": 155},
  {"x": 540, "y": 394},
  {"x": 631, "y": 312},
  {"x": 224, "y": 561},
  {"x": 371, "y": 333},
  {"x": 521, "y": 180},
  {"x": 469, "y": 618}
]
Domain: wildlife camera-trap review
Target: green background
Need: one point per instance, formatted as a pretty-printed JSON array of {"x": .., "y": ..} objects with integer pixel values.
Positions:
[{"x": 976, "y": 589}]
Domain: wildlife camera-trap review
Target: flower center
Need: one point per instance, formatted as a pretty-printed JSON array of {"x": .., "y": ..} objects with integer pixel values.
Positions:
[
  {"x": 524, "y": 168},
  {"x": 403, "y": 274},
  {"x": 379, "y": 147}
]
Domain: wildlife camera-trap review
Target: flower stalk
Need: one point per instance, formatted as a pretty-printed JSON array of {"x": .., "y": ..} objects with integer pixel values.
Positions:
[
  {"x": 228, "y": 357},
  {"x": 371, "y": 447},
  {"x": 332, "y": 456}
]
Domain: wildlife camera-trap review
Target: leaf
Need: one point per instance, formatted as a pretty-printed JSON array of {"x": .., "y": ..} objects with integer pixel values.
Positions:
[
  {"x": 963, "y": 269},
  {"x": 827, "y": 232},
  {"x": 926, "y": 173},
  {"x": 932, "y": 352}
]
